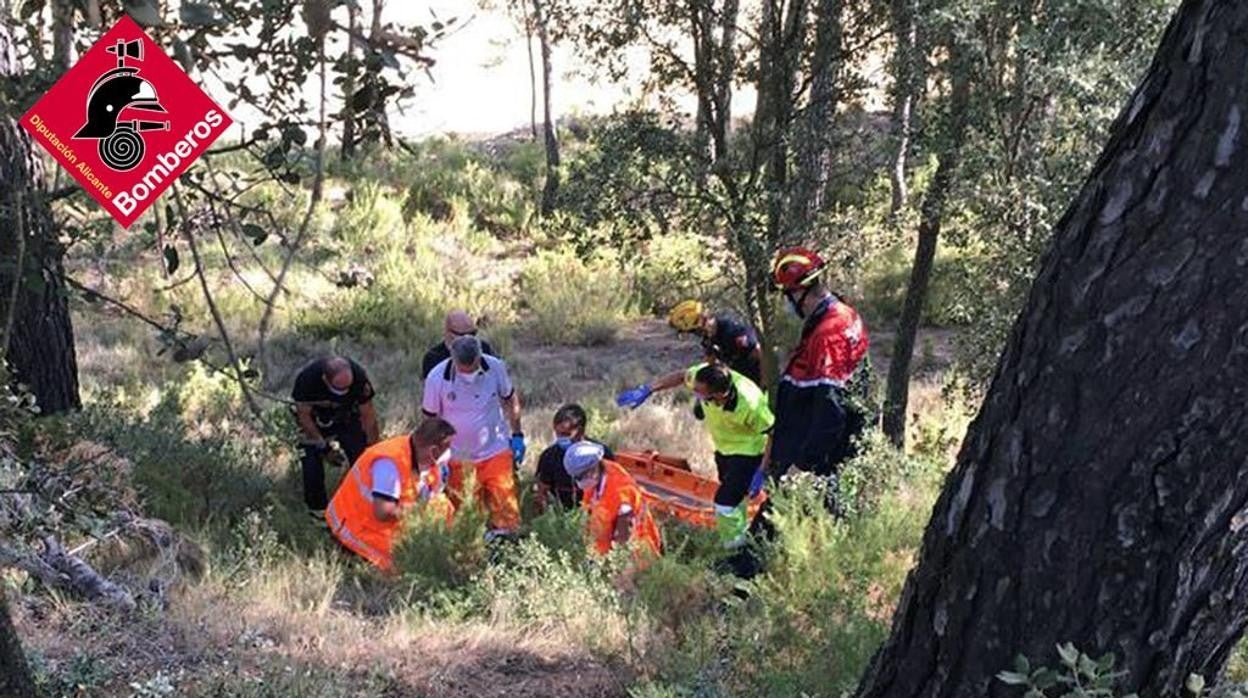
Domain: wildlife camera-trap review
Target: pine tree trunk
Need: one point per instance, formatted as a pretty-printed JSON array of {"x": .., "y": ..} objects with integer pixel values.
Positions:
[
  {"x": 897, "y": 393},
  {"x": 1101, "y": 496},
  {"x": 37, "y": 331},
  {"x": 14, "y": 673},
  {"x": 551, "y": 189}
]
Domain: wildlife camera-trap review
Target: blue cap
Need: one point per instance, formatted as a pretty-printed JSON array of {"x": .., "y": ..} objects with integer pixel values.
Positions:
[{"x": 581, "y": 456}]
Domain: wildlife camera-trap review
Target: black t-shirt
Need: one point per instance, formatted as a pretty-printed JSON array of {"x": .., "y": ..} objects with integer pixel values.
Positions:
[
  {"x": 439, "y": 353},
  {"x": 734, "y": 343},
  {"x": 328, "y": 408},
  {"x": 550, "y": 472}
]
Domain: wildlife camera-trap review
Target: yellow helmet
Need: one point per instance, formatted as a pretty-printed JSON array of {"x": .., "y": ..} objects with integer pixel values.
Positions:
[{"x": 686, "y": 316}]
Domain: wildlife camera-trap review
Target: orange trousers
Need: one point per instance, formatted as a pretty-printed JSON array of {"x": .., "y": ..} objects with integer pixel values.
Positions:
[{"x": 495, "y": 489}]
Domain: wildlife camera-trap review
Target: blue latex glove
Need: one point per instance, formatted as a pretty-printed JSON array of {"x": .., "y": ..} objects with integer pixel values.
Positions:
[
  {"x": 634, "y": 398},
  {"x": 756, "y": 485},
  {"x": 517, "y": 448}
]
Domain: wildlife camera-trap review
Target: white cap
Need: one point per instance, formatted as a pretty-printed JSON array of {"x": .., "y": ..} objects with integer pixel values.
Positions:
[{"x": 581, "y": 456}]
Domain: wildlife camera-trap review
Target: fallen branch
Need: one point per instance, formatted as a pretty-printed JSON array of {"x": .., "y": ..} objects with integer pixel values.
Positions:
[{"x": 57, "y": 568}]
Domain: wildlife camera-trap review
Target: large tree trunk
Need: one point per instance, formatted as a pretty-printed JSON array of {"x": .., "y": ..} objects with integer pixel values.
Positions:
[
  {"x": 897, "y": 394},
  {"x": 551, "y": 189},
  {"x": 814, "y": 143},
  {"x": 38, "y": 338},
  {"x": 14, "y": 673},
  {"x": 1101, "y": 495}
]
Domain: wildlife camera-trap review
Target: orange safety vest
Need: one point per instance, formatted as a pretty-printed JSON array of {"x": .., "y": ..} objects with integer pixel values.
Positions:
[
  {"x": 350, "y": 514},
  {"x": 616, "y": 490}
]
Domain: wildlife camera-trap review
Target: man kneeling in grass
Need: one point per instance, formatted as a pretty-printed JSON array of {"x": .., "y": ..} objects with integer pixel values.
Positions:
[
  {"x": 618, "y": 514},
  {"x": 387, "y": 481}
]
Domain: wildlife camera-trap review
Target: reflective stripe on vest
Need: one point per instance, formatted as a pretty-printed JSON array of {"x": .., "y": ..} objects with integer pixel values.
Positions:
[
  {"x": 365, "y": 492},
  {"x": 349, "y": 539}
]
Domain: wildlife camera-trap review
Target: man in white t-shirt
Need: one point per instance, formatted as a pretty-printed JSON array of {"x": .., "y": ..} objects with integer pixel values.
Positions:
[{"x": 473, "y": 392}]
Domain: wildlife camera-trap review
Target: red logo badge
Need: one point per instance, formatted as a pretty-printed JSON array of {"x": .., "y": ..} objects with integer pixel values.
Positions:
[{"x": 125, "y": 121}]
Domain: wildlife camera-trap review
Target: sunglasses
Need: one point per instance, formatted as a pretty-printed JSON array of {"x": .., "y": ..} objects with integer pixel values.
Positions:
[{"x": 470, "y": 333}]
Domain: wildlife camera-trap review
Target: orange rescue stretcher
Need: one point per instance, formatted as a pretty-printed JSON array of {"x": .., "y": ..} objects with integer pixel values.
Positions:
[{"x": 673, "y": 489}]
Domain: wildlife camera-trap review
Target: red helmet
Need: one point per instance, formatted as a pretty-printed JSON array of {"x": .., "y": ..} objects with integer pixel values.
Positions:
[{"x": 796, "y": 267}]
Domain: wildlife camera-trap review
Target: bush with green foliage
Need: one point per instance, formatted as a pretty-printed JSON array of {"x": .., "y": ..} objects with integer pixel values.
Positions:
[
  {"x": 433, "y": 557},
  {"x": 1080, "y": 676},
  {"x": 573, "y": 300},
  {"x": 419, "y": 272}
]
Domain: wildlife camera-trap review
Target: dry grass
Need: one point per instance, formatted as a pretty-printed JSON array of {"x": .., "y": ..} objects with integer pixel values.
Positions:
[{"x": 292, "y": 619}]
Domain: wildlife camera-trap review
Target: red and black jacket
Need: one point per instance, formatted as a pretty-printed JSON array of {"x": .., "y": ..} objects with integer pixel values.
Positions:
[{"x": 810, "y": 407}]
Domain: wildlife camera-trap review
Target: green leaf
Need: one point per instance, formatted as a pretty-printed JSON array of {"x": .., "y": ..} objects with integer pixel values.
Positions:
[
  {"x": 1013, "y": 678},
  {"x": 1069, "y": 655},
  {"x": 257, "y": 234},
  {"x": 198, "y": 14},
  {"x": 1021, "y": 665},
  {"x": 1044, "y": 679},
  {"x": 1086, "y": 666},
  {"x": 145, "y": 12},
  {"x": 171, "y": 259},
  {"x": 1195, "y": 684},
  {"x": 182, "y": 53}
]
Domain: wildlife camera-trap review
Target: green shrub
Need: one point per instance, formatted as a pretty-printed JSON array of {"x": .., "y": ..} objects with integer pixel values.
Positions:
[
  {"x": 880, "y": 469},
  {"x": 573, "y": 301},
  {"x": 189, "y": 475},
  {"x": 886, "y": 277},
  {"x": 676, "y": 266},
  {"x": 432, "y": 557},
  {"x": 417, "y": 278}
]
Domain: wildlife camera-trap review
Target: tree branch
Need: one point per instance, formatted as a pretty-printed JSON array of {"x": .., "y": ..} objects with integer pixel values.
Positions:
[
  {"x": 318, "y": 184},
  {"x": 235, "y": 364}
]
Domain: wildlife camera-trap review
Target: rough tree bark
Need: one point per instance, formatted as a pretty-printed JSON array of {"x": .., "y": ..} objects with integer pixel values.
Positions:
[
  {"x": 551, "y": 189},
  {"x": 40, "y": 339},
  {"x": 897, "y": 392},
  {"x": 1101, "y": 496},
  {"x": 813, "y": 149},
  {"x": 15, "y": 677}
]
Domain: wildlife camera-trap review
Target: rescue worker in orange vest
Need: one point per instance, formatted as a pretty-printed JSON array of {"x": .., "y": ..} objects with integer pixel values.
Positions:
[
  {"x": 387, "y": 481},
  {"x": 617, "y": 510}
]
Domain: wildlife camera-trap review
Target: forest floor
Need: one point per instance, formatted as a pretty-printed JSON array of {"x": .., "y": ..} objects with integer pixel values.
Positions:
[{"x": 300, "y": 629}]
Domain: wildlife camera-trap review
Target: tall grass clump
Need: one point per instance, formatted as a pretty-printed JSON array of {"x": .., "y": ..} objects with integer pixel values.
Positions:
[{"x": 571, "y": 300}]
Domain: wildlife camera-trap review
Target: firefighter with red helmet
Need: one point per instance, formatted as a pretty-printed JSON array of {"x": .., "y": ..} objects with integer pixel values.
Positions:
[{"x": 816, "y": 417}]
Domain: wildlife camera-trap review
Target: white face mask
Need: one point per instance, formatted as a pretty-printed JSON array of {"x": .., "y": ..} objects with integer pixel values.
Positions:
[{"x": 337, "y": 391}]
